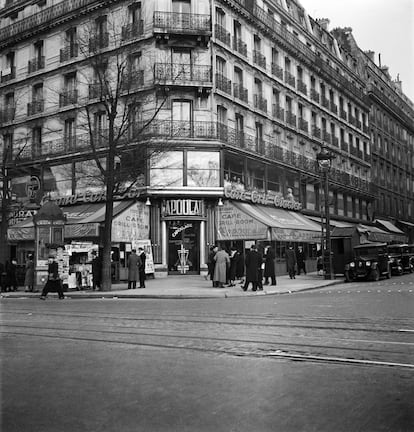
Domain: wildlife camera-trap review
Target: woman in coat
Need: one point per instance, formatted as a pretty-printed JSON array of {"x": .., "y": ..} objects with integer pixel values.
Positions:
[
  {"x": 29, "y": 274},
  {"x": 222, "y": 262}
]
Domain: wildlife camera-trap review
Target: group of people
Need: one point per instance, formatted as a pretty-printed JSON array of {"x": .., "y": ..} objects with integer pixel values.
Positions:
[
  {"x": 8, "y": 275},
  {"x": 136, "y": 268}
]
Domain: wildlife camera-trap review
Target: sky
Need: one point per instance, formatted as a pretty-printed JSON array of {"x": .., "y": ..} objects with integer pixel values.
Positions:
[{"x": 383, "y": 26}]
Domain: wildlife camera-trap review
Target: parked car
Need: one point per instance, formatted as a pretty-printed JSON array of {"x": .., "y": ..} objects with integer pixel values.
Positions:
[
  {"x": 370, "y": 262},
  {"x": 401, "y": 258}
]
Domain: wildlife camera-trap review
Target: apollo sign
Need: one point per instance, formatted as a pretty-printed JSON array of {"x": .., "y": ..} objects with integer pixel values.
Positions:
[{"x": 184, "y": 207}]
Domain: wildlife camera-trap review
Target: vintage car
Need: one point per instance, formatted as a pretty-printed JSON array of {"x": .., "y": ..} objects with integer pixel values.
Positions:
[
  {"x": 401, "y": 258},
  {"x": 370, "y": 262}
]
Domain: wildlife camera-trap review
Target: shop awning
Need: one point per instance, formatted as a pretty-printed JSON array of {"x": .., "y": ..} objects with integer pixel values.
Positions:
[
  {"x": 408, "y": 224},
  {"x": 375, "y": 234},
  {"x": 282, "y": 225},
  {"x": 83, "y": 220},
  {"x": 389, "y": 226}
]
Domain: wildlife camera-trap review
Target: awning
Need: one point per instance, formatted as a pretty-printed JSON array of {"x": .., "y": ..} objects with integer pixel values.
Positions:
[
  {"x": 235, "y": 218},
  {"x": 376, "y": 234},
  {"x": 389, "y": 226},
  {"x": 83, "y": 220},
  {"x": 408, "y": 224}
]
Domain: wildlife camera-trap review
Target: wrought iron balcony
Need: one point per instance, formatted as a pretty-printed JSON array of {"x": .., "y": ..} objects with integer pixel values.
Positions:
[
  {"x": 182, "y": 74},
  {"x": 302, "y": 87},
  {"x": 36, "y": 64},
  {"x": 35, "y": 107},
  {"x": 240, "y": 46},
  {"x": 289, "y": 79},
  {"x": 277, "y": 70},
  {"x": 344, "y": 146},
  {"x": 95, "y": 90},
  {"x": 352, "y": 119},
  {"x": 326, "y": 136},
  {"x": 7, "y": 114},
  {"x": 333, "y": 107},
  {"x": 240, "y": 92},
  {"x": 68, "y": 97},
  {"x": 259, "y": 59},
  {"x": 133, "y": 80},
  {"x": 222, "y": 34},
  {"x": 98, "y": 42},
  {"x": 324, "y": 101},
  {"x": 335, "y": 141},
  {"x": 182, "y": 23},
  {"x": 291, "y": 118},
  {"x": 278, "y": 112},
  {"x": 316, "y": 132},
  {"x": 342, "y": 114},
  {"x": 223, "y": 83},
  {"x": 69, "y": 52},
  {"x": 315, "y": 96},
  {"x": 133, "y": 30},
  {"x": 260, "y": 102},
  {"x": 303, "y": 124},
  {"x": 8, "y": 74}
]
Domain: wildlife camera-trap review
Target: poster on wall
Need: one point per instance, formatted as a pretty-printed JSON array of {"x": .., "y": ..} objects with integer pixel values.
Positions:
[
  {"x": 146, "y": 245},
  {"x": 132, "y": 224}
]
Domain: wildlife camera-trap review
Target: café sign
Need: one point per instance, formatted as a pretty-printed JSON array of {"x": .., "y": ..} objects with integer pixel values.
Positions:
[
  {"x": 265, "y": 198},
  {"x": 184, "y": 207}
]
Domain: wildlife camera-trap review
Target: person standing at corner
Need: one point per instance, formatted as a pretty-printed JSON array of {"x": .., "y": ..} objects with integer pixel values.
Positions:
[
  {"x": 11, "y": 278},
  {"x": 53, "y": 282},
  {"x": 133, "y": 269},
  {"x": 291, "y": 262},
  {"x": 252, "y": 261},
  {"x": 269, "y": 270},
  {"x": 301, "y": 259},
  {"x": 222, "y": 261},
  {"x": 29, "y": 274},
  {"x": 141, "y": 269},
  {"x": 96, "y": 271}
]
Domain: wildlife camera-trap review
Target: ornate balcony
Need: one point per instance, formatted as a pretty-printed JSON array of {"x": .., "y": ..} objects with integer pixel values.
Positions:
[
  {"x": 259, "y": 59},
  {"x": 68, "y": 98},
  {"x": 8, "y": 74},
  {"x": 240, "y": 46},
  {"x": 95, "y": 90},
  {"x": 342, "y": 114},
  {"x": 326, "y": 136},
  {"x": 278, "y": 112},
  {"x": 240, "y": 92},
  {"x": 183, "y": 75},
  {"x": 291, "y": 118},
  {"x": 260, "y": 102},
  {"x": 223, "y": 83},
  {"x": 35, "y": 107},
  {"x": 69, "y": 52},
  {"x": 333, "y": 107},
  {"x": 222, "y": 34},
  {"x": 289, "y": 79},
  {"x": 36, "y": 64},
  {"x": 277, "y": 71},
  {"x": 344, "y": 146},
  {"x": 315, "y": 96},
  {"x": 7, "y": 114},
  {"x": 133, "y": 80},
  {"x": 324, "y": 101},
  {"x": 303, "y": 124},
  {"x": 133, "y": 30},
  {"x": 302, "y": 87},
  {"x": 99, "y": 42},
  {"x": 316, "y": 132}
]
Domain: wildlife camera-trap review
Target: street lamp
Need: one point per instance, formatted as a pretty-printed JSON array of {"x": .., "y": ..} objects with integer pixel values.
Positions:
[{"x": 324, "y": 158}]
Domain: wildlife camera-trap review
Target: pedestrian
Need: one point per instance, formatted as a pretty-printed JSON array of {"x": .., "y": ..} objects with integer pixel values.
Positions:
[
  {"x": 133, "y": 269},
  {"x": 319, "y": 264},
  {"x": 291, "y": 262},
  {"x": 240, "y": 267},
  {"x": 222, "y": 262},
  {"x": 53, "y": 282},
  {"x": 211, "y": 263},
  {"x": 29, "y": 274},
  {"x": 252, "y": 262},
  {"x": 301, "y": 260},
  {"x": 260, "y": 270},
  {"x": 269, "y": 270},
  {"x": 11, "y": 277},
  {"x": 141, "y": 269},
  {"x": 2, "y": 277},
  {"x": 234, "y": 262},
  {"x": 96, "y": 270}
]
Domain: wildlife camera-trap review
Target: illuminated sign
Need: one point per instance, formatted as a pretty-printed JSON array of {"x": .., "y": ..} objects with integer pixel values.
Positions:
[{"x": 184, "y": 207}]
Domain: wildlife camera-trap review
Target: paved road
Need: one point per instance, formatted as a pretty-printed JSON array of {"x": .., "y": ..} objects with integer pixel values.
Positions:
[{"x": 335, "y": 359}]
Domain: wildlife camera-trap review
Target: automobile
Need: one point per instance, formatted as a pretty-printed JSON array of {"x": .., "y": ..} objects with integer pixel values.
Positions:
[
  {"x": 371, "y": 261},
  {"x": 401, "y": 258}
]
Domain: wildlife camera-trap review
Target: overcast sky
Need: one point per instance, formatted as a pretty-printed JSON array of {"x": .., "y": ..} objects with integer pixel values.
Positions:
[{"x": 383, "y": 26}]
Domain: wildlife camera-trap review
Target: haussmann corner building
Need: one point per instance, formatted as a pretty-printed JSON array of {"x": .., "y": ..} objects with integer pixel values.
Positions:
[{"x": 251, "y": 92}]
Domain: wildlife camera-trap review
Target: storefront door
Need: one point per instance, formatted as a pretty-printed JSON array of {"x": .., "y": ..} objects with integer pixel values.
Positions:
[{"x": 183, "y": 247}]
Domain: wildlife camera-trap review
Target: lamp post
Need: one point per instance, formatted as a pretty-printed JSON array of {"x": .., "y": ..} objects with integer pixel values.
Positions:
[{"x": 324, "y": 158}]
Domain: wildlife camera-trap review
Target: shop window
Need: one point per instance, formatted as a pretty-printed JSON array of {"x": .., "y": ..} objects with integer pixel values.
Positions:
[
  {"x": 203, "y": 169},
  {"x": 168, "y": 169}
]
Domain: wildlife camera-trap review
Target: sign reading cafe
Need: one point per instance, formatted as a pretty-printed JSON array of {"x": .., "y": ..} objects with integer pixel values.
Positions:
[{"x": 265, "y": 198}]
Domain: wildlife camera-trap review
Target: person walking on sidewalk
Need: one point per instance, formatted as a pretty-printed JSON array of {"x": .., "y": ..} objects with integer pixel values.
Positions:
[
  {"x": 291, "y": 262},
  {"x": 234, "y": 262},
  {"x": 29, "y": 274},
  {"x": 269, "y": 270},
  {"x": 222, "y": 261},
  {"x": 141, "y": 269},
  {"x": 252, "y": 261},
  {"x": 96, "y": 271},
  {"x": 301, "y": 259},
  {"x": 133, "y": 269},
  {"x": 53, "y": 282},
  {"x": 211, "y": 263}
]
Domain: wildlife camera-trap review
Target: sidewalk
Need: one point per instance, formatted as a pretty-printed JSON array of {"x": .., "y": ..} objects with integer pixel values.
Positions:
[{"x": 191, "y": 287}]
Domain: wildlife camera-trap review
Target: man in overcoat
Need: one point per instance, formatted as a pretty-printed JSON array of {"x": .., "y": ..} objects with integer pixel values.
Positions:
[
  {"x": 291, "y": 262},
  {"x": 96, "y": 270},
  {"x": 143, "y": 258},
  {"x": 269, "y": 270},
  {"x": 253, "y": 262},
  {"x": 53, "y": 283},
  {"x": 134, "y": 262}
]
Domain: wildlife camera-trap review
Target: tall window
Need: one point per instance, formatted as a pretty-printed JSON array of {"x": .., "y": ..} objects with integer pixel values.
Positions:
[
  {"x": 220, "y": 18},
  {"x": 135, "y": 13},
  {"x": 182, "y": 117},
  {"x": 240, "y": 129},
  {"x": 37, "y": 141},
  {"x": 38, "y": 50},
  {"x": 181, "y": 6},
  {"x": 222, "y": 121},
  {"x": 69, "y": 133},
  {"x": 100, "y": 127},
  {"x": 259, "y": 138}
]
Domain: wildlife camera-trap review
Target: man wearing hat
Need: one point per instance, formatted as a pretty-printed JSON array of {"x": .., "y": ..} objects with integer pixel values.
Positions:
[
  {"x": 53, "y": 282},
  {"x": 96, "y": 270}
]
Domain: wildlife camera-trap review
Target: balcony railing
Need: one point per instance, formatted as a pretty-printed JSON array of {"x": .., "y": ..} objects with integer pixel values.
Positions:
[
  {"x": 352, "y": 119},
  {"x": 259, "y": 59},
  {"x": 278, "y": 112},
  {"x": 36, "y": 64},
  {"x": 95, "y": 90},
  {"x": 342, "y": 114},
  {"x": 222, "y": 34},
  {"x": 289, "y": 79},
  {"x": 240, "y": 92},
  {"x": 315, "y": 96},
  {"x": 98, "y": 42},
  {"x": 277, "y": 70},
  {"x": 344, "y": 146},
  {"x": 302, "y": 87},
  {"x": 69, "y": 52},
  {"x": 303, "y": 124},
  {"x": 7, "y": 114},
  {"x": 68, "y": 98},
  {"x": 8, "y": 74},
  {"x": 260, "y": 102},
  {"x": 291, "y": 118},
  {"x": 180, "y": 74},
  {"x": 132, "y": 30},
  {"x": 335, "y": 141},
  {"x": 326, "y": 136},
  {"x": 324, "y": 101},
  {"x": 333, "y": 107},
  {"x": 240, "y": 46},
  {"x": 182, "y": 23},
  {"x": 316, "y": 132},
  {"x": 35, "y": 107},
  {"x": 133, "y": 80},
  {"x": 223, "y": 83}
]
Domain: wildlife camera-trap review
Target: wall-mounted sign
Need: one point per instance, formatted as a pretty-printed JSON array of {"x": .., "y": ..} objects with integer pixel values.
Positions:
[
  {"x": 184, "y": 207},
  {"x": 265, "y": 198},
  {"x": 132, "y": 224}
]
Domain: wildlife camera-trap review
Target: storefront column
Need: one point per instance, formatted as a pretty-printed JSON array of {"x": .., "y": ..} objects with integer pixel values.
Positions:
[
  {"x": 164, "y": 242},
  {"x": 203, "y": 265}
]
